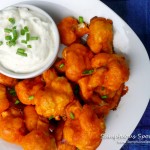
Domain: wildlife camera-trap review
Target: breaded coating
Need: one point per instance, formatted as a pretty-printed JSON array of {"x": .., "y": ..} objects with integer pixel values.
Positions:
[
  {"x": 89, "y": 83},
  {"x": 65, "y": 146},
  {"x": 12, "y": 126},
  {"x": 33, "y": 121},
  {"x": 66, "y": 29},
  {"x": 7, "y": 81},
  {"x": 52, "y": 100},
  {"x": 30, "y": 117},
  {"x": 12, "y": 129},
  {"x": 104, "y": 87},
  {"x": 26, "y": 89},
  {"x": 4, "y": 103},
  {"x": 104, "y": 91},
  {"x": 60, "y": 65},
  {"x": 70, "y": 30},
  {"x": 49, "y": 75},
  {"x": 61, "y": 143},
  {"x": 38, "y": 140},
  {"x": 116, "y": 99},
  {"x": 118, "y": 70},
  {"x": 85, "y": 91},
  {"x": 77, "y": 60},
  {"x": 82, "y": 29},
  {"x": 100, "y": 37},
  {"x": 81, "y": 126},
  {"x": 102, "y": 106},
  {"x": 12, "y": 111}
]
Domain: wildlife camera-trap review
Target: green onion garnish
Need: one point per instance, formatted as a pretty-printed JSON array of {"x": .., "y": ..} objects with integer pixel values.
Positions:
[
  {"x": 72, "y": 115},
  {"x": 20, "y": 50},
  {"x": 17, "y": 102},
  {"x": 24, "y": 41},
  {"x": 31, "y": 97},
  {"x": 34, "y": 38},
  {"x": 8, "y": 37},
  {"x": 12, "y": 92},
  {"x": 8, "y": 43},
  {"x": 11, "y": 43},
  {"x": 7, "y": 30},
  {"x": 15, "y": 34},
  {"x": 14, "y": 27},
  {"x": 27, "y": 36},
  {"x": 12, "y": 39},
  {"x": 61, "y": 65},
  {"x": 88, "y": 72},
  {"x": 22, "y": 32},
  {"x": 12, "y": 20},
  {"x": 29, "y": 46},
  {"x": 51, "y": 117},
  {"x": 26, "y": 29},
  {"x": 104, "y": 96},
  {"x": 1, "y": 43},
  {"x": 21, "y": 54},
  {"x": 81, "y": 19}
]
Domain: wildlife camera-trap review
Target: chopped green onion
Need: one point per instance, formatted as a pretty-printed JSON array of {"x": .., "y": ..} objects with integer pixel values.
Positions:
[
  {"x": 27, "y": 36},
  {"x": 61, "y": 65},
  {"x": 31, "y": 97},
  {"x": 12, "y": 92},
  {"x": 12, "y": 20},
  {"x": 15, "y": 34},
  {"x": 72, "y": 115},
  {"x": 81, "y": 19},
  {"x": 20, "y": 50},
  {"x": 1, "y": 43},
  {"x": 7, "y": 30},
  {"x": 24, "y": 41},
  {"x": 8, "y": 37},
  {"x": 22, "y": 54},
  {"x": 17, "y": 102},
  {"x": 26, "y": 29},
  {"x": 8, "y": 43},
  {"x": 22, "y": 32},
  {"x": 29, "y": 46},
  {"x": 104, "y": 96},
  {"x": 88, "y": 72},
  {"x": 14, "y": 40},
  {"x": 11, "y": 43},
  {"x": 34, "y": 38},
  {"x": 51, "y": 117},
  {"x": 14, "y": 27}
]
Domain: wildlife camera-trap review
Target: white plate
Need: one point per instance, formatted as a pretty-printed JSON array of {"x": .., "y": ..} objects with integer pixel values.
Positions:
[{"x": 121, "y": 123}]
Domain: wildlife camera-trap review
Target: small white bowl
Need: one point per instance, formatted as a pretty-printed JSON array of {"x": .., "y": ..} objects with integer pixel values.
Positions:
[{"x": 53, "y": 57}]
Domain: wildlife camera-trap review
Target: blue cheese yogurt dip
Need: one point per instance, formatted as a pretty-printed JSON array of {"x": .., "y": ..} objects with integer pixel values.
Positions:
[{"x": 26, "y": 40}]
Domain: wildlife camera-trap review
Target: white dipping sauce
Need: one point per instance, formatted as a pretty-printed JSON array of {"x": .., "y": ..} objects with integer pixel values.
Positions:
[{"x": 41, "y": 50}]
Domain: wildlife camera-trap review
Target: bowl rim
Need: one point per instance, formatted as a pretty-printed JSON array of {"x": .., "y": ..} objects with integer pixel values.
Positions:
[{"x": 53, "y": 57}]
